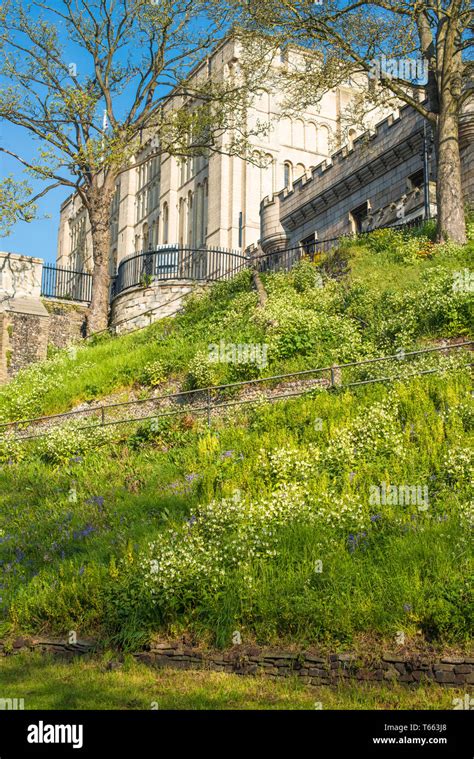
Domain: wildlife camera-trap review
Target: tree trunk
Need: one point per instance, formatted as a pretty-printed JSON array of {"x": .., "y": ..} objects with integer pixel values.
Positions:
[
  {"x": 99, "y": 217},
  {"x": 449, "y": 196},
  {"x": 261, "y": 292}
]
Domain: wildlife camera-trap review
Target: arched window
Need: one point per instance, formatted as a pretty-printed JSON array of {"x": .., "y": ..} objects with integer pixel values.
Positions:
[
  {"x": 199, "y": 216},
  {"x": 299, "y": 170},
  {"x": 181, "y": 220},
  {"x": 204, "y": 211},
  {"x": 287, "y": 174},
  {"x": 145, "y": 237},
  {"x": 323, "y": 140},
  {"x": 298, "y": 133},
  {"x": 266, "y": 177},
  {"x": 190, "y": 219},
  {"x": 165, "y": 223},
  {"x": 311, "y": 137},
  {"x": 285, "y": 131}
]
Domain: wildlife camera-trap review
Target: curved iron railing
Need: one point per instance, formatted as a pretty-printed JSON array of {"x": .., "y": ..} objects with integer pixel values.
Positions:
[{"x": 169, "y": 262}]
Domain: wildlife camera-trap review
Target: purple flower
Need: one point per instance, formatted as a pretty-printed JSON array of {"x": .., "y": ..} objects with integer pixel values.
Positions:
[
  {"x": 227, "y": 454},
  {"x": 191, "y": 521},
  {"x": 81, "y": 570},
  {"x": 356, "y": 541},
  {"x": 77, "y": 460},
  {"x": 97, "y": 499},
  {"x": 406, "y": 607},
  {"x": 375, "y": 517},
  {"x": 191, "y": 477}
]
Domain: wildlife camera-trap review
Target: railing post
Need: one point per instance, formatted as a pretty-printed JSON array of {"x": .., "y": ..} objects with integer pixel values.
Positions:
[{"x": 208, "y": 407}]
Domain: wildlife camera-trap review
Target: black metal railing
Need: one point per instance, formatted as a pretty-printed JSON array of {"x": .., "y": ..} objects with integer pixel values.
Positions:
[
  {"x": 272, "y": 388},
  {"x": 285, "y": 259},
  {"x": 66, "y": 283},
  {"x": 171, "y": 262},
  {"x": 174, "y": 262}
]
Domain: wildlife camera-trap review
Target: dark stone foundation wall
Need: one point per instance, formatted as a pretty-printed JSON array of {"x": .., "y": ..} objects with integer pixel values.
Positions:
[
  {"x": 310, "y": 668},
  {"x": 26, "y": 341},
  {"x": 24, "y": 337}
]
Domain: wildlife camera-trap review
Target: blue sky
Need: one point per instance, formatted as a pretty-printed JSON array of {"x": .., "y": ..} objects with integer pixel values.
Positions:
[{"x": 39, "y": 237}]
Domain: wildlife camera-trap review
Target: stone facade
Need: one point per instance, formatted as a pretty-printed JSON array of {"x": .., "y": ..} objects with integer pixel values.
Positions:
[
  {"x": 311, "y": 668},
  {"x": 140, "y": 306},
  {"x": 29, "y": 323},
  {"x": 66, "y": 323},
  {"x": 209, "y": 201},
  {"x": 26, "y": 334},
  {"x": 376, "y": 180}
]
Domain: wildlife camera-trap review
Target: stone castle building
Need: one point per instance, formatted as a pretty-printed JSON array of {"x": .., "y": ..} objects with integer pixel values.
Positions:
[
  {"x": 212, "y": 201},
  {"x": 177, "y": 223},
  {"x": 377, "y": 179}
]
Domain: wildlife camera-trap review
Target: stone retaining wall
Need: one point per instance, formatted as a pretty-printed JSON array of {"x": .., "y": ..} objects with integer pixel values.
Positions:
[
  {"x": 140, "y": 306},
  {"x": 310, "y": 668},
  {"x": 67, "y": 322},
  {"x": 27, "y": 327}
]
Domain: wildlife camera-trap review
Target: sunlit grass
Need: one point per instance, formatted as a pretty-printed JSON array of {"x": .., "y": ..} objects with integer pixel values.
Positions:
[{"x": 87, "y": 684}]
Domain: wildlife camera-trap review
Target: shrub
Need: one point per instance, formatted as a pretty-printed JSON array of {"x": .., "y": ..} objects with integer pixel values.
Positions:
[
  {"x": 202, "y": 372},
  {"x": 11, "y": 450},
  {"x": 153, "y": 374},
  {"x": 61, "y": 443}
]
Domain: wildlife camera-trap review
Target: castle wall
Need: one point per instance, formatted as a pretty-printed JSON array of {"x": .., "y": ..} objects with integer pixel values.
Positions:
[
  {"x": 29, "y": 323},
  {"x": 140, "y": 306},
  {"x": 378, "y": 169},
  {"x": 235, "y": 187}
]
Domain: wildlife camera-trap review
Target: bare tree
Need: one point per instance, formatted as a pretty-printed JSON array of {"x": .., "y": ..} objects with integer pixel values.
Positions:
[
  {"x": 351, "y": 38},
  {"x": 89, "y": 80}
]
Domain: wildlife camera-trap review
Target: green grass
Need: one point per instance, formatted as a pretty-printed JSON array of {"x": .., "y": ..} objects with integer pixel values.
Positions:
[
  {"x": 266, "y": 522},
  {"x": 87, "y": 684},
  {"x": 391, "y": 298},
  {"x": 75, "y": 533}
]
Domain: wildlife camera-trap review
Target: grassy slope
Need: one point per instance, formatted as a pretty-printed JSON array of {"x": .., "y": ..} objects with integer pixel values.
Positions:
[
  {"x": 394, "y": 298},
  {"x": 77, "y": 518}
]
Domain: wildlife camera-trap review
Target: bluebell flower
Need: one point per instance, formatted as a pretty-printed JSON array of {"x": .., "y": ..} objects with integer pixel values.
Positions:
[{"x": 97, "y": 499}]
